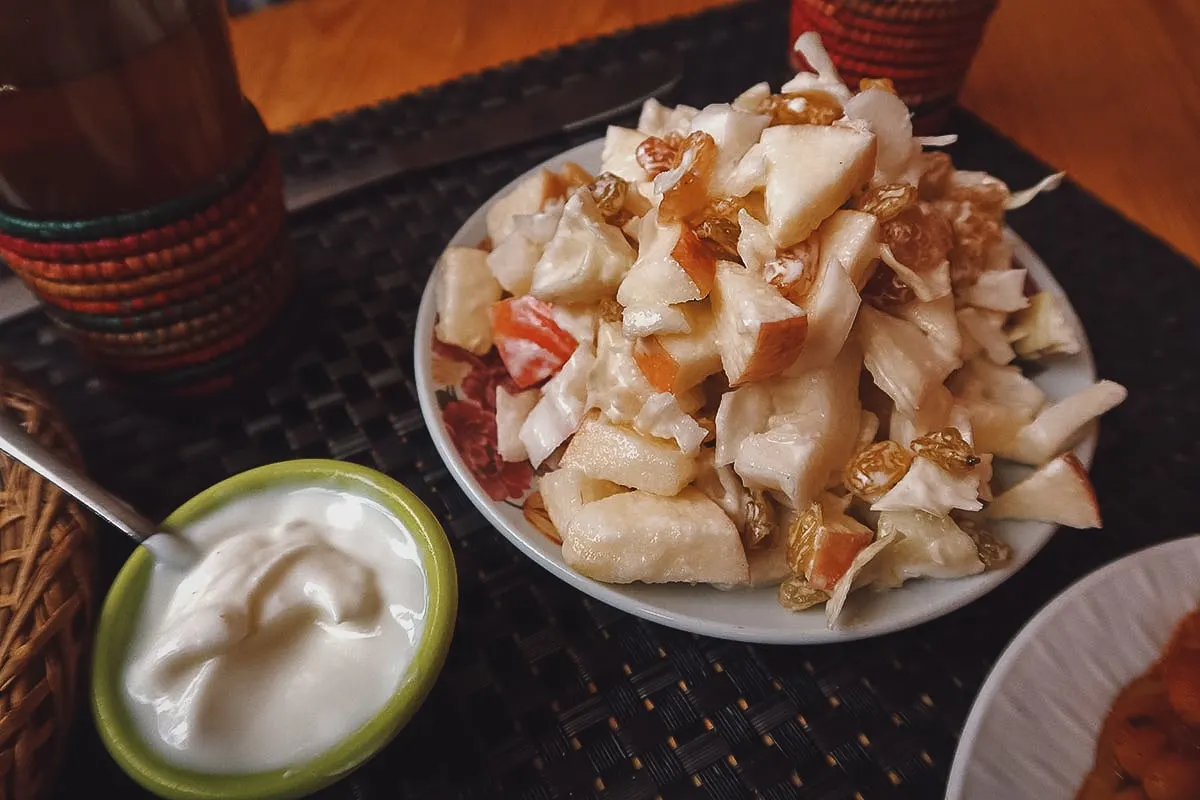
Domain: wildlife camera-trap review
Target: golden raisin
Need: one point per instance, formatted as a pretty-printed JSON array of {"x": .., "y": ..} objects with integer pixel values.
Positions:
[
  {"x": 876, "y": 469},
  {"x": 812, "y": 107},
  {"x": 721, "y": 234},
  {"x": 888, "y": 200},
  {"x": 609, "y": 193},
  {"x": 656, "y": 155},
  {"x": 885, "y": 290},
  {"x": 609, "y": 310},
  {"x": 759, "y": 521},
  {"x": 694, "y": 164},
  {"x": 802, "y": 536},
  {"x": 919, "y": 236},
  {"x": 877, "y": 83},
  {"x": 948, "y": 449},
  {"x": 975, "y": 232},
  {"x": 936, "y": 169},
  {"x": 797, "y": 594},
  {"x": 992, "y": 552}
]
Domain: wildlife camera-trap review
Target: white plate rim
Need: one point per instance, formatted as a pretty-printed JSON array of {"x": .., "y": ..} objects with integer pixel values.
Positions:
[
  {"x": 618, "y": 595},
  {"x": 1030, "y": 633}
]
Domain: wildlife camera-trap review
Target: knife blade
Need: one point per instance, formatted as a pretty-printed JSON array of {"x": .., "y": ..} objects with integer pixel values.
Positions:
[{"x": 577, "y": 105}]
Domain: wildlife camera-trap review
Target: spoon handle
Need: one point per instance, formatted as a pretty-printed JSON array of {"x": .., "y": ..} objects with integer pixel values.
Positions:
[{"x": 24, "y": 448}]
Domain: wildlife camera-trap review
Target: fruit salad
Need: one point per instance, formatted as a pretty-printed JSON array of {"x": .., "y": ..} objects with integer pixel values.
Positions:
[{"x": 776, "y": 342}]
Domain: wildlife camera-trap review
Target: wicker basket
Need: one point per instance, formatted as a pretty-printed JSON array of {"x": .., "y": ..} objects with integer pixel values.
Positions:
[{"x": 47, "y": 597}]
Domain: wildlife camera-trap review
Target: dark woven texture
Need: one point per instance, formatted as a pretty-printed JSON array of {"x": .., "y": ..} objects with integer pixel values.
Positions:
[{"x": 547, "y": 694}]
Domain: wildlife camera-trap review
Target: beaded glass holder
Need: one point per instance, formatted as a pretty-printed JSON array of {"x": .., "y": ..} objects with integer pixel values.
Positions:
[{"x": 169, "y": 297}]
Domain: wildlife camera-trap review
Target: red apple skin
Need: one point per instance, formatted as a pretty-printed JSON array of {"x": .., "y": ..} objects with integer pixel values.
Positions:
[{"x": 833, "y": 553}]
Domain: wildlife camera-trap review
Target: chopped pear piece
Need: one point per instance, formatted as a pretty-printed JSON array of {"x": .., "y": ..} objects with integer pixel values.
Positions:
[
  {"x": 742, "y": 413},
  {"x": 785, "y": 460},
  {"x": 832, "y": 307},
  {"x": 565, "y": 491},
  {"x": 527, "y": 198},
  {"x": 619, "y": 156},
  {"x": 511, "y": 412},
  {"x": 512, "y": 263},
  {"x": 852, "y": 239},
  {"x": 622, "y": 455},
  {"x": 759, "y": 332},
  {"x": 678, "y": 362},
  {"x": 638, "y": 536},
  {"x": 1059, "y": 492},
  {"x": 672, "y": 266},
  {"x": 811, "y": 171},
  {"x": 586, "y": 260},
  {"x": 466, "y": 290}
]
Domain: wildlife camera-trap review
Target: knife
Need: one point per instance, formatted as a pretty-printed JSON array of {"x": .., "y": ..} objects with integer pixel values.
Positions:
[{"x": 580, "y": 104}]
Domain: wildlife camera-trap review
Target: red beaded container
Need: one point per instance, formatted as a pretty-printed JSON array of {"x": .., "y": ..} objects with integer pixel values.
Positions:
[{"x": 924, "y": 46}]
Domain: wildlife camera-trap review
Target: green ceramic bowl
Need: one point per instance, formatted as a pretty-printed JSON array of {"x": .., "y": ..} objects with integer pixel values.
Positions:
[{"x": 117, "y": 620}]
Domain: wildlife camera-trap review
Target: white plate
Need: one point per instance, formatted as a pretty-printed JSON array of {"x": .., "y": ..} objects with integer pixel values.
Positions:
[
  {"x": 751, "y": 616},
  {"x": 1032, "y": 731}
]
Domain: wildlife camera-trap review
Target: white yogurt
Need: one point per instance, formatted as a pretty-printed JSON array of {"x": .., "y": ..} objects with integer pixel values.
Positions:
[{"x": 294, "y": 629}]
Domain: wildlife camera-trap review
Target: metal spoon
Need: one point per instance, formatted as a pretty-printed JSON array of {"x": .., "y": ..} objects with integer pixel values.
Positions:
[{"x": 165, "y": 547}]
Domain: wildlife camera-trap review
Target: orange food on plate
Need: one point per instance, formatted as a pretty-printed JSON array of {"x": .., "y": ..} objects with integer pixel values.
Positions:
[
  {"x": 531, "y": 344},
  {"x": 1149, "y": 746}
]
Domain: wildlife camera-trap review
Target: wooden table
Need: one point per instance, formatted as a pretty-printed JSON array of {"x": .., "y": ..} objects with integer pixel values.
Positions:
[{"x": 1108, "y": 90}]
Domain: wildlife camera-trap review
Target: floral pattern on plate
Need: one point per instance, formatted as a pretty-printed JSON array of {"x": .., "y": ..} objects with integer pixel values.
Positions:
[{"x": 466, "y": 396}]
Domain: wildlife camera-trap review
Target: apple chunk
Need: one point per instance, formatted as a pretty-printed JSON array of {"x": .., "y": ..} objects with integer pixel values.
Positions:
[
  {"x": 852, "y": 239},
  {"x": 586, "y": 260},
  {"x": 811, "y": 171},
  {"x": 677, "y": 362},
  {"x": 527, "y": 198},
  {"x": 637, "y": 536},
  {"x": 465, "y": 291},
  {"x": 622, "y": 455},
  {"x": 673, "y": 266},
  {"x": 565, "y": 491},
  {"x": 759, "y": 332},
  {"x": 1058, "y": 492},
  {"x": 619, "y": 156}
]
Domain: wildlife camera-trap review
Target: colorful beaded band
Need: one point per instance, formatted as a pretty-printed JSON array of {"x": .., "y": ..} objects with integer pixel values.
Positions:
[{"x": 263, "y": 185}]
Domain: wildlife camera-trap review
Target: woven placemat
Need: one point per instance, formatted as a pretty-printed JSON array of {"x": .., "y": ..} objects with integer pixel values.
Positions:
[{"x": 547, "y": 694}]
